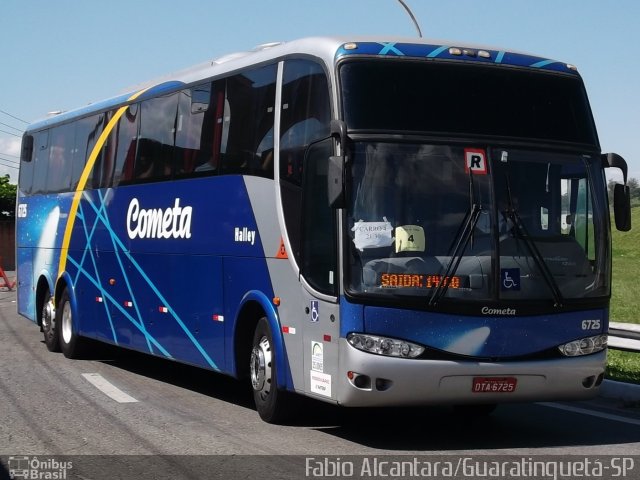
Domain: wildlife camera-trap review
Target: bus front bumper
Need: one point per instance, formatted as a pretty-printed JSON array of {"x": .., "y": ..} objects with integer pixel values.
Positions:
[{"x": 367, "y": 380}]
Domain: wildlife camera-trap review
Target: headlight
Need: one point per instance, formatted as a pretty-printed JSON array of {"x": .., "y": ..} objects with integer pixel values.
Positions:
[
  {"x": 384, "y": 346},
  {"x": 584, "y": 346}
]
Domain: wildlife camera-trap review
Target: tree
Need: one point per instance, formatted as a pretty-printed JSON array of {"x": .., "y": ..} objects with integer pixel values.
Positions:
[
  {"x": 634, "y": 190},
  {"x": 7, "y": 197},
  {"x": 634, "y": 187}
]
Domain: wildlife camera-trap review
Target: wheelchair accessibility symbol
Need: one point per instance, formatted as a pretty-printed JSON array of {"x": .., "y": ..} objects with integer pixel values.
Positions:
[
  {"x": 315, "y": 311},
  {"x": 510, "y": 279}
]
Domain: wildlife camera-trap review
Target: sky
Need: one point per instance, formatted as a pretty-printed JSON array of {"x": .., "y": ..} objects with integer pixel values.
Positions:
[{"x": 64, "y": 54}]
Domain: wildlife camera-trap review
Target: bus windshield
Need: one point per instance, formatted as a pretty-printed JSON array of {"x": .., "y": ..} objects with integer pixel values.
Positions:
[{"x": 476, "y": 223}]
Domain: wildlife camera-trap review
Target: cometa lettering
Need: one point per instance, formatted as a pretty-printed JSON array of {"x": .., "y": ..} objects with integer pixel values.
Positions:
[
  {"x": 498, "y": 311},
  {"x": 172, "y": 222}
]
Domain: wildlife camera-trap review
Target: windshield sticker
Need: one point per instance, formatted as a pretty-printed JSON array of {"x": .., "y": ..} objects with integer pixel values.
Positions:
[
  {"x": 475, "y": 161},
  {"x": 412, "y": 280},
  {"x": 410, "y": 238},
  {"x": 510, "y": 279},
  {"x": 372, "y": 234}
]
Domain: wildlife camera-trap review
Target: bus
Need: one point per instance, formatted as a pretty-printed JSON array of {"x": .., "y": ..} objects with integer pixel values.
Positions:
[{"x": 365, "y": 221}]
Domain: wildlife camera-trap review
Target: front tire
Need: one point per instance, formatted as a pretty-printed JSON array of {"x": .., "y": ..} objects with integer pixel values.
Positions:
[
  {"x": 70, "y": 342},
  {"x": 271, "y": 402}
]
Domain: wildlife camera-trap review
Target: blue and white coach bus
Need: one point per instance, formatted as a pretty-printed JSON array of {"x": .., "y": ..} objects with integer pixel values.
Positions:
[{"x": 363, "y": 221}]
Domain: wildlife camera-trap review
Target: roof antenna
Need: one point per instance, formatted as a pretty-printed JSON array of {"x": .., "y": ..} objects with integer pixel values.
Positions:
[{"x": 415, "y": 22}]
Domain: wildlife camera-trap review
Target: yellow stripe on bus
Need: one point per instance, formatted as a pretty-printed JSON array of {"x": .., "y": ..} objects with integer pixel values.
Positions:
[{"x": 83, "y": 182}]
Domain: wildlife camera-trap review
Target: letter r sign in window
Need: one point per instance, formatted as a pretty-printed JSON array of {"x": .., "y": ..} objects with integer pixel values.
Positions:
[{"x": 475, "y": 160}]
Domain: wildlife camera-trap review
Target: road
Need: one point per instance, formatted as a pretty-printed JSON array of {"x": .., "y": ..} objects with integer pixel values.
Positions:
[{"x": 50, "y": 405}]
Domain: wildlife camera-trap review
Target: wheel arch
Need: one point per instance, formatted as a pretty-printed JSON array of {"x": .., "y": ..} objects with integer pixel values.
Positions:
[
  {"x": 65, "y": 282},
  {"x": 43, "y": 285},
  {"x": 253, "y": 307}
]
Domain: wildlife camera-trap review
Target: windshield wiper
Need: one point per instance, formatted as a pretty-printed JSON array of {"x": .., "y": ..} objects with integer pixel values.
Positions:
[
  {"x": 461, "y": 241},
  {"x": 521, "y": 232}
]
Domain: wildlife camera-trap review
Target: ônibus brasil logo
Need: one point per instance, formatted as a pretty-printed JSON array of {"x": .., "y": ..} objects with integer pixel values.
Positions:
[{"x": 172, "y": 222}]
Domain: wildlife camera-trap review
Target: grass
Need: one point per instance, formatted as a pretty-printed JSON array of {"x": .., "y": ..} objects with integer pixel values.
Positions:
[
  {"x": 623, "y": 366},
  {"x": 625, "y": 297},
  {"x": 625, "y": 291}
]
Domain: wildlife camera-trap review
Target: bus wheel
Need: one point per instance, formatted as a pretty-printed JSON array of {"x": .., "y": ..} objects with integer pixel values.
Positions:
[
  {"x": 70, "y": 342},
  {"x": 269, "y": 400},
  {"x": 49, "y": 326}
]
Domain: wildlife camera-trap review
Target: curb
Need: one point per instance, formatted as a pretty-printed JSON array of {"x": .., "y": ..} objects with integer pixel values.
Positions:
[{"x": 626, "y": 392}]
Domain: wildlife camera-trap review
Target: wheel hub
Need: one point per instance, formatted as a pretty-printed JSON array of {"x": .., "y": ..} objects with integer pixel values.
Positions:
[
  {"x": 48, "y": 314},
  {"x": 66, "y": 323},
  {"x": 261, "y": 366}
]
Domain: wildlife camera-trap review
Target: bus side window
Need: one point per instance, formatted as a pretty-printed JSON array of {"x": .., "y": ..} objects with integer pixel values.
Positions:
[
  {"x": 247, "y": 137},
  {"x": 40, "y": 162},
  {"x": 26, "y": 165},
  {"x": 196, "y": 127},
  {"x": 102, "y": 166},
  {"x": 60, "y": 158},
  {"x": 86, "y": 135},
  {"x": 126, "y": 140},
  {"x": 155, "y": 153}
]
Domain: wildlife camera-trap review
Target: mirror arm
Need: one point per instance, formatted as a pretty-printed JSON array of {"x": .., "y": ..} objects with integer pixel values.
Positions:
[{"x": 613, "y": 160}]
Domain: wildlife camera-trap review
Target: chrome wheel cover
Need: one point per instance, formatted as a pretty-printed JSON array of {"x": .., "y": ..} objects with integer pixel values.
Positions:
[
  {"x": 261, "y": 367},
  {"x": 48, "y": 314},
  {"x": 66, "y": 330}
]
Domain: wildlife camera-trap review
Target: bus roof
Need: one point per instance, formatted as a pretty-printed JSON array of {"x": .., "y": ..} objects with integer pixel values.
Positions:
[{"x": 330, "y": 50}]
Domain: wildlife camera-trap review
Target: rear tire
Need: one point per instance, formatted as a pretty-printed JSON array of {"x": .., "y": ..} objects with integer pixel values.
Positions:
[
  {"x": 49, "y": 325},
  {"x": 70, "y": 342},
  {"x": 271, "y": 402}
]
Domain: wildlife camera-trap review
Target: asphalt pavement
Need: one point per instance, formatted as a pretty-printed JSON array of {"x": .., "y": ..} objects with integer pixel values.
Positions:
[{"x": 620, "y": 391}]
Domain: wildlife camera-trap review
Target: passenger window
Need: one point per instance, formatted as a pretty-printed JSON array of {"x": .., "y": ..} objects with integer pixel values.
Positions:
[
  {"x": 102, "y": 171},
  {"x": 126, "y": 141},
  {"x": 88, "y": 131},
  {"x": 26, "y": 165},
  {"x": 247, "y": 135},
  {"x": 198, "y": 130},
  {"x": 155, "y": 152},
  {"x": 305, "y": 114},
  {"x": 60, "y": 158},
  {"x": 40, "y": 162}
]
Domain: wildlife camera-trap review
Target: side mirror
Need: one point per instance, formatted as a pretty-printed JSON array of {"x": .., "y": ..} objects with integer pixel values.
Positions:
[
  {"x": 613, "y": 160},
  {"x": 622, "y": 207},
  {"x": 621, "y": 192},
  {"x": 335, "y": 175}
]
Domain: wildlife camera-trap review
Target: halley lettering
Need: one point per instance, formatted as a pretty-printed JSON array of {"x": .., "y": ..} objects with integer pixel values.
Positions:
[
  {"x": 244, "y": 235},
  {"x": 173, "y": 222}
]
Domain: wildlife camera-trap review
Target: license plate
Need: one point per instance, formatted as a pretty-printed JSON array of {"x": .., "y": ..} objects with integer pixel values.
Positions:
[{"x": 494, "y": 384}]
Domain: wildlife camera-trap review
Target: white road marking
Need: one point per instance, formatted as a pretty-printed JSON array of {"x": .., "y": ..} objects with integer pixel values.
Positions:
[
  {"x": 593, "y": 413},
  {"x": 108, "y": 388}
]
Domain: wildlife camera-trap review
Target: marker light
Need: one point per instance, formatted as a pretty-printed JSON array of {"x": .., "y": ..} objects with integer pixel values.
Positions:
[
  {"x": 484, "y": 54},
  {"x": 455, "y": 51},
  {"x": 390, "y": 347},
  {"x": 584, "y": 346}
]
